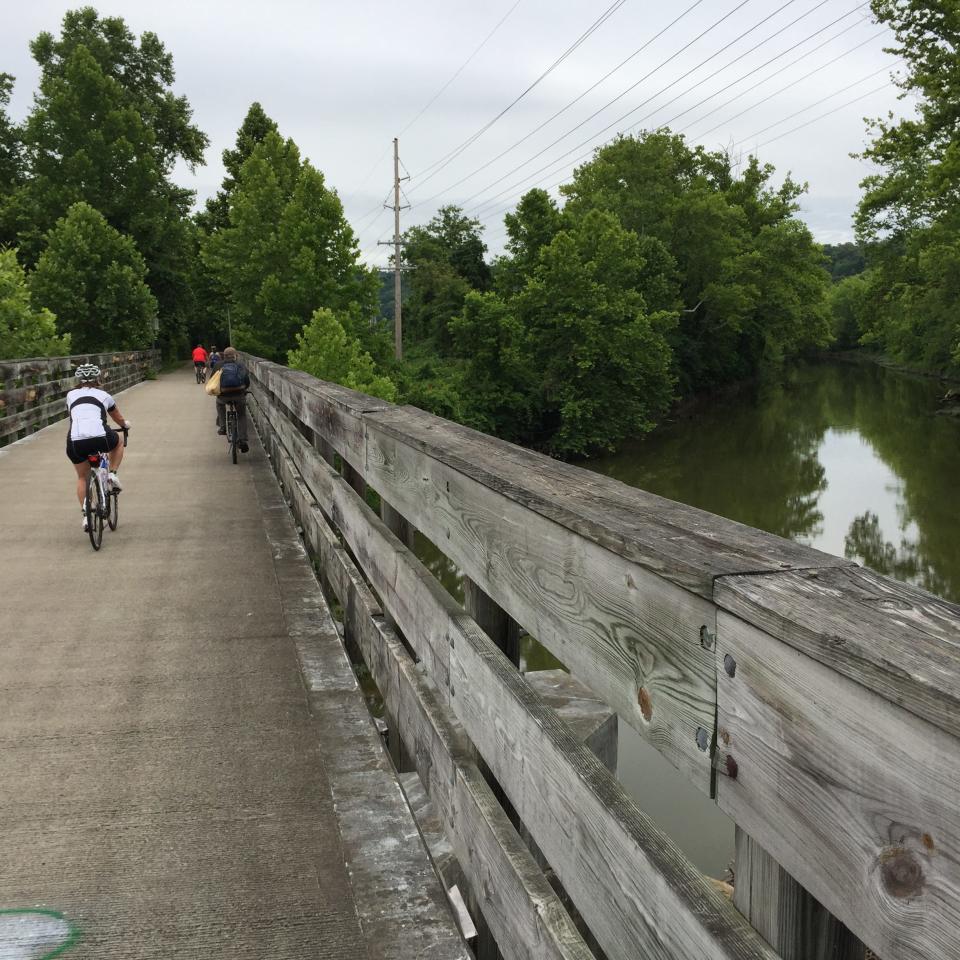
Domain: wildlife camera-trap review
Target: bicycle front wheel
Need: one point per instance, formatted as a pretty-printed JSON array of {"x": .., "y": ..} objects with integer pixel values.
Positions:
[
  {"x": 94, "y": 510},
  {"x": 113, "y": 509}
]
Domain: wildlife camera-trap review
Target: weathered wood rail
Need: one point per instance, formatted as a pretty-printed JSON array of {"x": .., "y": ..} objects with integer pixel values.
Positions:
[
  {"x": 32, "y": 391},
  {"x": 814, "y": 701}
]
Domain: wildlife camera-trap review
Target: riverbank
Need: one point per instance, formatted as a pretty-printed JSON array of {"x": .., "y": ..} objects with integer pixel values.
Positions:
[{"x": 879, "y": 359}]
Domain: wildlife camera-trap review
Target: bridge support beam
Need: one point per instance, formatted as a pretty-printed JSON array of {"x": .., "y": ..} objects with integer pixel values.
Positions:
[
  {"x": 493, "y": 620},
  {"x": 405, "y": 533},
  {"x": 796, "y": 925}
]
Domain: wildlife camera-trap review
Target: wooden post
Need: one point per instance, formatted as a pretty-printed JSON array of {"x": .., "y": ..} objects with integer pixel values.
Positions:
[
  {"x": 405, "y": 532},
  {"x": 796, "y": 925},
  {"x": 398, "y": 524},
  {"x": 503, "y": 630},
  {"x": 493, "y": 620},
  {"x": 355, "y": 479}
]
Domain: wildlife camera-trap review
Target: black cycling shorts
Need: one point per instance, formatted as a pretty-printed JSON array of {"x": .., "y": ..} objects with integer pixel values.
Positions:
[
  {"x": 199, "y": 364},
  {"x": 79, "y": 450}
]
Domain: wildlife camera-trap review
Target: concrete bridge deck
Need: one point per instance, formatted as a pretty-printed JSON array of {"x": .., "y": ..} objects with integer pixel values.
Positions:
[{"x": 187, "y": 768}]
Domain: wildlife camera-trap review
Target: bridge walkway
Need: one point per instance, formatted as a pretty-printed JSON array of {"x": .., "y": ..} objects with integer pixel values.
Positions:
[{"x": 186, "y": 765}]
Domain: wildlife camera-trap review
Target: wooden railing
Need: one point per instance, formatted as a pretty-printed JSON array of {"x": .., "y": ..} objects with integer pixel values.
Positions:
[
  {"x": 32, "y": 391},
  {"x": 814, "y": 701}
]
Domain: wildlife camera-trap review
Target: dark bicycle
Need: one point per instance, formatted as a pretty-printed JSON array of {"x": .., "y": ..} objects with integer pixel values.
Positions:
[
  {"x": 201, "y": 371},
  {"x": 230, "y": 423},
  {"x": 102, "y": 498}
]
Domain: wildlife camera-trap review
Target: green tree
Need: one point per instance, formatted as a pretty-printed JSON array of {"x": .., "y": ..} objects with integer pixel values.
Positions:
[
  {"x": 530, "y": 227},
  {"x": 256, "y": 125},
  {"x": 446, "y": 260},
  {"x": 326, "y": 351},
  {"x": 11, "y": 163},
  {"x": 574, "y": 362},
  {"x": 107, "y": 129},
  {"x": 909, "y": 216},
  {"x": 848, "y": 302},
  {"x": 846, "y": 259},
  {"x": 93, "y": 278},
  {"x": 287, "y": 251},
  {"x": 722, "y": 238},
  {"x": 24, "y": 330}
]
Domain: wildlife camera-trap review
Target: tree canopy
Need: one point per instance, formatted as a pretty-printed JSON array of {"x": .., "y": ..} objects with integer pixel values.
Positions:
[
  {"x": 326, "y": 351},
  {"x": 909, "y": 217},
  {"x": 287, "y": 251},
  {"x": 24, "y": 330},
  {"x": 93, "y": 278}
]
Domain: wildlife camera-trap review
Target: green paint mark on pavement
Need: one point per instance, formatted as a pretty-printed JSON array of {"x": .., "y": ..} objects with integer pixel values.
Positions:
[{"x": 52, "y": 930}]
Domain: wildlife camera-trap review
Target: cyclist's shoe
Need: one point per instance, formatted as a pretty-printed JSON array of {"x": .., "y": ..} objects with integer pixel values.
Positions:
[
  {"x": 86, "y": 523},
  {"x": 115, "y": 482},
  {"x": 222, "y": 432},
  {"x": 242, "y": 444}
]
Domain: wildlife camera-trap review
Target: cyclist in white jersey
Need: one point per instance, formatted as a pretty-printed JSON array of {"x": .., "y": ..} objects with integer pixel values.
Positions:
[{"x": 88, "y": 407}]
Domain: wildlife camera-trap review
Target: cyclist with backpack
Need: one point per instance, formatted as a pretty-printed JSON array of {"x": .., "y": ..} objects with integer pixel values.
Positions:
[
  {"x": 88, "y": 407},
  {"x": 234, "y": 383}
]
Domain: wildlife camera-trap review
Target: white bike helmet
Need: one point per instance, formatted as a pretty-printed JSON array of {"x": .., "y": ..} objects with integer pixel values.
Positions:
[{"x": 87, "y": 373}]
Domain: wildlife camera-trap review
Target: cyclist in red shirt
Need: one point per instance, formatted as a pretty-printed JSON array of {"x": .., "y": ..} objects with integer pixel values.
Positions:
[{"x": 199, "y": 357}]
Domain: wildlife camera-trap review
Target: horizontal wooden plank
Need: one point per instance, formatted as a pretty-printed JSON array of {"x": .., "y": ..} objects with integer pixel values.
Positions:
[
  {"x": 520, "y": 905},
  {"x": 679, "y": 543},
  {"x": 634, "y": 888},
  {"x": 892, "y": 638},
  {"x": 636, "y": 640},
  {"x": 43, "y": 367},
  {"x": 36, "y": 393},
  {"x": 331, "y": 411},
  {"x": 52, "y": 410},
  {"x": 855, "y": 797}
]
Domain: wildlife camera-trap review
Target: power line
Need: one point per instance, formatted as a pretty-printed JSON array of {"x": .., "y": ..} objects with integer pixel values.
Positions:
[
  {"x": 752, "y": 136},
  {"x": 829, "y": 113},
  {"x": 459, "y": 70},
  {"x": 750, "y": 73},
  {"x": 450, "y": 157},
  {"x": 617, "y": 122},
  {"x": 783, "y": 89},
  {"x": 552, "y": 186},
  {"x": 373, "y": 214},
  {"x": 437, "y": 95},
  {"x": 576, "y": 100},
  {"x": 620, "y": 96}
]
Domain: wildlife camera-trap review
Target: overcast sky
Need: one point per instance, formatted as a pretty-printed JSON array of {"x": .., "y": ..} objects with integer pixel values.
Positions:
[{"x": 343, "y": 78}]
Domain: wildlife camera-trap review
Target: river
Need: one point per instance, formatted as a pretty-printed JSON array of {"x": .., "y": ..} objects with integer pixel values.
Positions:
[{"x": 848, "y": 458}]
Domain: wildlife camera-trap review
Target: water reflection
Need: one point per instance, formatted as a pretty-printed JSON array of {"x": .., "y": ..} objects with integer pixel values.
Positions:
[{"x": 847, "y": 458}]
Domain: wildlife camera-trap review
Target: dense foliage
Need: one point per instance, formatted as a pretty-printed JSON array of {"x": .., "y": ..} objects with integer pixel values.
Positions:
[
  {"x": 24, "y": 330},
  {"x": 326, "y": 350},
  {"x": 909, "y": 217},
  {"x": 94, "y": 279},
  {"x": 666, "y": 270},
  {"x": 845, "y": 259},
  {"x": 286, "y": 251}
]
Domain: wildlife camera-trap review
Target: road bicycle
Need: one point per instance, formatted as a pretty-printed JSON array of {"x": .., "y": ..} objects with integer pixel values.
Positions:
[
  {"x": 102, "y": 498},
  {"x": 201, "y": 373}
]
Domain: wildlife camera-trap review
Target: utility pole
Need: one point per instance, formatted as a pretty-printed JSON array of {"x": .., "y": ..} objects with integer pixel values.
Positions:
[{"x": 397, "y": 207}]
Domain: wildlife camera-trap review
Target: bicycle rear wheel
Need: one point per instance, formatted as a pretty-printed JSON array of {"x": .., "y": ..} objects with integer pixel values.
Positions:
[
  {"x": 94, "y": 510},
  {"x": 232, "y": 432}
]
